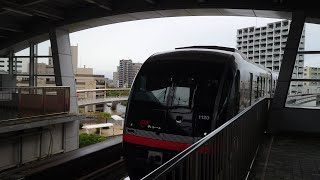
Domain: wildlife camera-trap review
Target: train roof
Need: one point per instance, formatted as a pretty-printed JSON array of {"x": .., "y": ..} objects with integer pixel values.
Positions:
[
  {"x": 221, "y": 49},
  {"x": 228, "y": 50},
  {"x": 210, "y": 49}
]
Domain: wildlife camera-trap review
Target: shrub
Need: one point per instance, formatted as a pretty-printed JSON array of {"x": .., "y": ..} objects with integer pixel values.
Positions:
[
  {"x": 87, "y": 139},
  {"x": 124, "y": 103}
]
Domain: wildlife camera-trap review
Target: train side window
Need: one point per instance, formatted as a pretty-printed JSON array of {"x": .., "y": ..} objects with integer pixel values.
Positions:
[
  {"x": 250, "y": 89},
  {"x": 269, "y": 86},
  {"x": 237, "y": 93},
  {"x": 256, "y": 89},
  {"x": 261, "y": 86}
]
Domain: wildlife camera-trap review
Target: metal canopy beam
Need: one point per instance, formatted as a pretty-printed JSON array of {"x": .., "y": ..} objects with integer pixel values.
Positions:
[
  {"x": 28, "y": 10},
  {"x": 99, "y": 4},
  {"x": 10, "y": 29},
  {"x": 151, "y": 1},
  {"x": 288, "y": 61}
]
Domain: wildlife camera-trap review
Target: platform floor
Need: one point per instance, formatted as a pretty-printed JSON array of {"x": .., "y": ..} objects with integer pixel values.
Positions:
[{"x": 282, "y": 157}]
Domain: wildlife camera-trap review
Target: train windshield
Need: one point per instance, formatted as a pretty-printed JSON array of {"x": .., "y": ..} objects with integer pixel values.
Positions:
[
  {"x": 169, "y": 97},
  {"x": 168, "y": 91}
]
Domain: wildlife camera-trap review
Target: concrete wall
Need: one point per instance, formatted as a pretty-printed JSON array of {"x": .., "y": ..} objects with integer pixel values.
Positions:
[
  {"x": 295, "y": 120},
  {"x": 7, "y": 80},
  {"x": 18, "y": 148}
]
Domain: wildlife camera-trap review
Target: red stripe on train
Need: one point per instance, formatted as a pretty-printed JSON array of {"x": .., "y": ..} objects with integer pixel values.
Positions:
[{"x": 156, "y": 143}]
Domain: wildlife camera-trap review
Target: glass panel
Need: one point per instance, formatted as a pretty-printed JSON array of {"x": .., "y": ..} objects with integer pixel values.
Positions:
[
  {"x": 181, "y": 96},
  {"x": 44, "y": 67},
  {"x": 4, "y": 65},
  {"x": 44, "y": 48},
  {"x": 46, "y": 81},
  {"x": 24, "y": 52},
  {"x": 312, "y": 32},
  {"x": 23, "y": 81},
  {"x": 308, "y": 94},
  {"x": 20, "y": 65}
]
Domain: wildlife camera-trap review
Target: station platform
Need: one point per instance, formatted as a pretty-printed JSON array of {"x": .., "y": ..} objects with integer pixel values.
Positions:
[{"x": 293, "y": 156}]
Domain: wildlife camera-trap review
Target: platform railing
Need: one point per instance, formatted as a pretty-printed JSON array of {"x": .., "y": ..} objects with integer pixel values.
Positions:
[
  {"x": 22, "y": 102},
  {"x": 226, "y": 153}
]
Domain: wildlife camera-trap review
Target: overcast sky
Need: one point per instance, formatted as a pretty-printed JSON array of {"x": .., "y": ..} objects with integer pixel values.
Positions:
[{"x": 102, "y": 47}]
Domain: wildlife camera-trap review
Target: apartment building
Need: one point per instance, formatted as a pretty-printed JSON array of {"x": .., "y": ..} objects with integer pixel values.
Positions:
[
  {"x": 126, "y": 72},
  {"x": 265, "y": 45}
]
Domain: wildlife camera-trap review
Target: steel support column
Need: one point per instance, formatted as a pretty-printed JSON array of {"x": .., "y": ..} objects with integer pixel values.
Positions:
[
  {"x": 276, "y": 121},
  {"x": 11, "y": 62},
  {"x": 35, "y": 64},
  {"x": 31, "y": 65},
  {"x": 288, "y": 61},
  {"x": 62, "y": 62},
  {"x": 64, "y": 76}
]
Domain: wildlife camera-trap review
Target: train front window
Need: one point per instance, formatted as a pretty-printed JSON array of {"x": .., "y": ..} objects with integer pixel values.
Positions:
[
  {"x": 151, "y": 89},
  {"x": 175, "y": 97},
  {"x": 181, "y": 96}
]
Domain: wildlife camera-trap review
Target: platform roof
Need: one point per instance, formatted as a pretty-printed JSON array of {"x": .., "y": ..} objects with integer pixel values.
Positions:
[{"x": 22, "y": 21}]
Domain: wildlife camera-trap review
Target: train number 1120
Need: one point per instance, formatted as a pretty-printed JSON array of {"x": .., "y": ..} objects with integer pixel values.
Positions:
[{"x": 203, "y": 117}]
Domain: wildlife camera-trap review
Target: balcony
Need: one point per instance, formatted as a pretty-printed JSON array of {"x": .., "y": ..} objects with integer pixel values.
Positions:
[{"x": 25, "y": 102}]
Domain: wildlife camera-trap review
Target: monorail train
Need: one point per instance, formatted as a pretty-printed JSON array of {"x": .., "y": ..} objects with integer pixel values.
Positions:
[{"x": 178, "y": 97}]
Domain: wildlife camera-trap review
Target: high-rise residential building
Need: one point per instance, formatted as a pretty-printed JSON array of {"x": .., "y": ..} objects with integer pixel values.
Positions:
[
  {"x": 311, "y": 73},
  {"x": 116, "y": 78},
  {"x": 126, "y": 72},
  {"x": 265, "y": 45}
]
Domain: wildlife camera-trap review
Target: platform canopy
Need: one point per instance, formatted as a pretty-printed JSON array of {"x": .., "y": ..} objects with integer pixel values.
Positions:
[{"x": 22, "y": 21}]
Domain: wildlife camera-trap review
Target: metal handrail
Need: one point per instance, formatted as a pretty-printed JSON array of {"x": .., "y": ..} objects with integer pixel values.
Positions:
[
  {"x": 108, "y": 89},
  {"x": 181, "y": 160}
]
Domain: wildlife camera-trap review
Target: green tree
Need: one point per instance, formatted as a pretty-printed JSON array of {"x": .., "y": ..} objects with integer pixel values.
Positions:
[
  {"x": 117, "y": 93},
  {"x": 102, "y": 116}
]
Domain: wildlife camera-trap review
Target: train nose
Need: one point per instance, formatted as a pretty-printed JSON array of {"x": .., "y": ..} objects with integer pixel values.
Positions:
[
  {"x": 154, "y": 160},
  {"x": 157, "y": 159}
]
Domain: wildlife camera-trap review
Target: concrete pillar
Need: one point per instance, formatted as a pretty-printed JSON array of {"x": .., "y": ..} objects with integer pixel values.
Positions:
[
  {"x": 318, "y": 100},
  {"x": 288, "y": 61},
  {"x": 114, "y": 105},
  {"x": 62, "y": 62},
  {"x": 106, "y": 108},
  {"x": 64, "y": 76}
]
